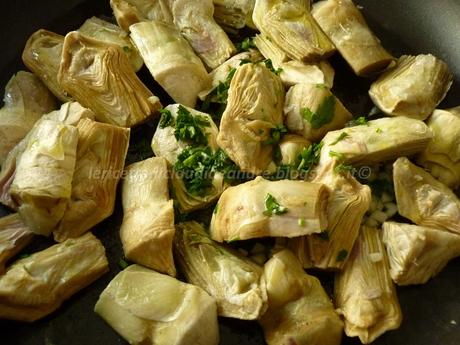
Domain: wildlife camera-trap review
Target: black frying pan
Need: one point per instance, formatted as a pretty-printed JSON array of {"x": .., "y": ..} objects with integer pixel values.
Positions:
[{"x": 431, "y": 312}]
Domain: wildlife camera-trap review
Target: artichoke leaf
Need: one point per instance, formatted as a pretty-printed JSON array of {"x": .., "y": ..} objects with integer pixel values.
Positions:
[
  {"x": 147, "y": 230},
  {"x": 146, "y": 307},
  {"x": 232, "y": 14},
  {"x": 34, "y": 287}
]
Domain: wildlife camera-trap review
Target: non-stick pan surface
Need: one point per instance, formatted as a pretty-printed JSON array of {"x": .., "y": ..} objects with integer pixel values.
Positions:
[{"x": 431, "y": 312}]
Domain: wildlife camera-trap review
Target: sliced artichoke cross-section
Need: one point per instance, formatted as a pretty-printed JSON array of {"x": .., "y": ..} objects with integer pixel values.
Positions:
[
  {"x": 262, "y": 208},
  {"x": 171, "y": 60},
  {"x": 232, "y": 14},
  {"x": 100, "y": 77},
  {"x": 364, "y": 292},
  {"x": 147, "y": 230},
  {"x": 149, "y": 308},
  {"x": 36, "y": 286},
  {"x": 101, "y": 154}
]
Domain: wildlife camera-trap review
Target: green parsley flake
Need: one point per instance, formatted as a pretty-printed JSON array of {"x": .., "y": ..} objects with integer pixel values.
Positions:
[
  {"x": 322, "y": 86},
  {"x": 166, "y": 120},
  {"x": 378, "y": 130},
  {"x": 360, "y": 121},
  {"x": 127, "y": 49},
  {"x": 123, "y": 264},
  {"x": 323, "y": 115},
  {"x": 245, "y": 61},
  {"x": 342, "y": 136},
  {"x": 273, "y": 207},
  {"x": 269, "y": 64},
  {"x": 190, "y": 128},
  {"x": 216, "y": 209},
  {"x": 309, "y": 157},
  {"x": 342, "y": 255},
  {"x": 301, "y": 222},
  {"x": 245, "y": 45}
]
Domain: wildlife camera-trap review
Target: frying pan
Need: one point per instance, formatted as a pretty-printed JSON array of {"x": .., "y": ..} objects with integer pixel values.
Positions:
[{"x": 431, "y": 312}]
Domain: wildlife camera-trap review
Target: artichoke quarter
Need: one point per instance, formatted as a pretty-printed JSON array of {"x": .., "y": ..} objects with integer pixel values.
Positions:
[
  {"x": 146, "y": 307},
  {"x": 233, "y": 14},
  {"x": 100, "y": 77}
]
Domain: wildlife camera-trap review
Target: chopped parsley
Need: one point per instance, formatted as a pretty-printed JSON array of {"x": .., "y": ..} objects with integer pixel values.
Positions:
[
  {"x": 219, "y": 94},
  {"x": 322, "y": 86},
  {"x": 122, "y": 263},
  {"x": 309, "y": 157},
  {"x": 269, "y": 64},
  {"x": 276, "y": 134},
  {"x": 323, "y": 115},
  {"x": 272, "y": 206},
  {"x": 342, "y": 136},
  {"x": 343, "y": 168},
  {"x": 360, "y": 121},
  {"x": 244, "y": 61},
  {"x": 245, "y": 45},
  {"x": 378, "y": 130},
  {"x": 166, "y": 120},
  {"x": 190, "y": 128},
  {"x": 338, "y": 155},
  {"x": 342, "y": 255},
  {"x": 216, "y": 209},
  {"x": 127, "y": 49},
  {"x": 301, "y": 222}
]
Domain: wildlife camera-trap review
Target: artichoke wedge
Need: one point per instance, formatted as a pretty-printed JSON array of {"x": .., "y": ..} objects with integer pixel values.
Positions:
[
  {"x": 262, "y": 208},
  {"x": 254, "y": 107},
  {"x": 297, "y": 72},
  {"x": 233, "y": 14},
  {"x": 344, "y": 24},
  {"x": 233, "y": 280},
  {"x": 413, "y": 88},
  {"x": 312, "y": 110},
  {"x": 14, "y": 236},
  {"x": 423, "y": 199},
  {"x": 348, "y": 202},
  {"x": 377, "y": 141},
  {"x": 100, "y": 77},
  {"x": 129, "y": 12},
  {"x": 42, "y": 183},
  {"x": 26, "y": 100},
  {"x": 42, "y": 55},
  {"x": 299, "y": 310},
  {"x": 99, "y": 166},
  {"x": 418, "y": 253},
  {"x": 36, "y": 286},
  {"x": 442, "y": 156},
  {"x": 107, "y": 32},
  {"x": 291, "y": 146},
  {"x": 147, "y": 231},
  {"x": 270, "y": 50},
  {"x": 364, "y": 292},
  {"x": 146, "y": 307},
  {"x": 290, "y": 26},
  {"x": 171, "y": 60},
  {"x": 195, "y": 21}
]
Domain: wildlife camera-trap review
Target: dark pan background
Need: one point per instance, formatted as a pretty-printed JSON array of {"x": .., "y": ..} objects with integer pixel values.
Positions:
[{"x": 410, "y": 26}]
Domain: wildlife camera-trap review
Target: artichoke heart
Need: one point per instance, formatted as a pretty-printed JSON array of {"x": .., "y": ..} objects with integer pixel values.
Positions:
[
  {"x": 129, "y": 12},
  {"x": 418, "y": 253},
  {"x": 146, "y": 307},
  {"x": 43, "y": 180},
  {"x": 290, "y": 26},
  {"x": 344, "y": 24},
  {"x": 26, "y": 100},
  {"x": 233, "y": 280},
  {"x": 14, "y": 236},
  {"x": 233, "y": 14},
  {"x": 99, "y": 165},
  {"x": 413, "y": 88},
  {"x": 171, "y": 60},
  {"x": 442, "y": 156},
  {"x": 42, "y": 55},
  {"x": 312, "y": 110},
  {"x": 377, "y": 141},
  {"x": 107, "y": 32},
  {"x": 34, "y": 287},
  {"x": 196, "y": 23},
  {"x": 423, "y": 199},
  {"x": 254, "y": 107},
  {"x": 270, "y": 50},
  {"x": 147, "y": 231},
  {"x": 100, "y": 77},
  {"x": 299, "y": 310},
  {"x": 291, "y": 146},
  {"x": 296, "y": 72},
  {"x": 263, "y": 208},
  {"x": 364, "y": 292}
]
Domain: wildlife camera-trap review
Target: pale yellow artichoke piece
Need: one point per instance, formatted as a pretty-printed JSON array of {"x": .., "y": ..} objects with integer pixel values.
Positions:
[
  {"x": 221, "y": 73},
  {"x": 42, "y": 183},
  {"x": 146, "y": 307},
  {"x": 235, "y": 281},
  {"x": 42, "y": 55},
  {"x": 263, "y": 208},
  {"x": 129, "y": 12},
  {"x": 312, "y": 110},
  {"x": 348, "y": 202},
  {"x": 377, "y": 141},
  {"x": 34, "y": 287},
  {"x": 107, "y": 32},
  {"x": 290, "y": 147},
  {"x": 423, "y": 199},
  {"x": 26, "y": 100},
  {"x": 290, "y": 26},
  {"x": 270, "y": 49},
  {"x": 344, "y": 24},
  {"x": 442, "y": 156},
  {"x": 147, "y": 231},
  {"x": 254, "y": 106},
  {"x": 299, "y": 310},
  {"x": 413, "y": 88},
  {"x": 100, "y": 160},
  {"x": 364, "y": 292},
  {"x": 418, "y": 253},
  {"x": 100, "y": 77},
  {"x": 297, "y": 72},
  {"x": 233, "y": 14},
  {"x": 14, "y": 236},
  {"x": 195, "y": 21},
  {"x": 171, "y": 60}
]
